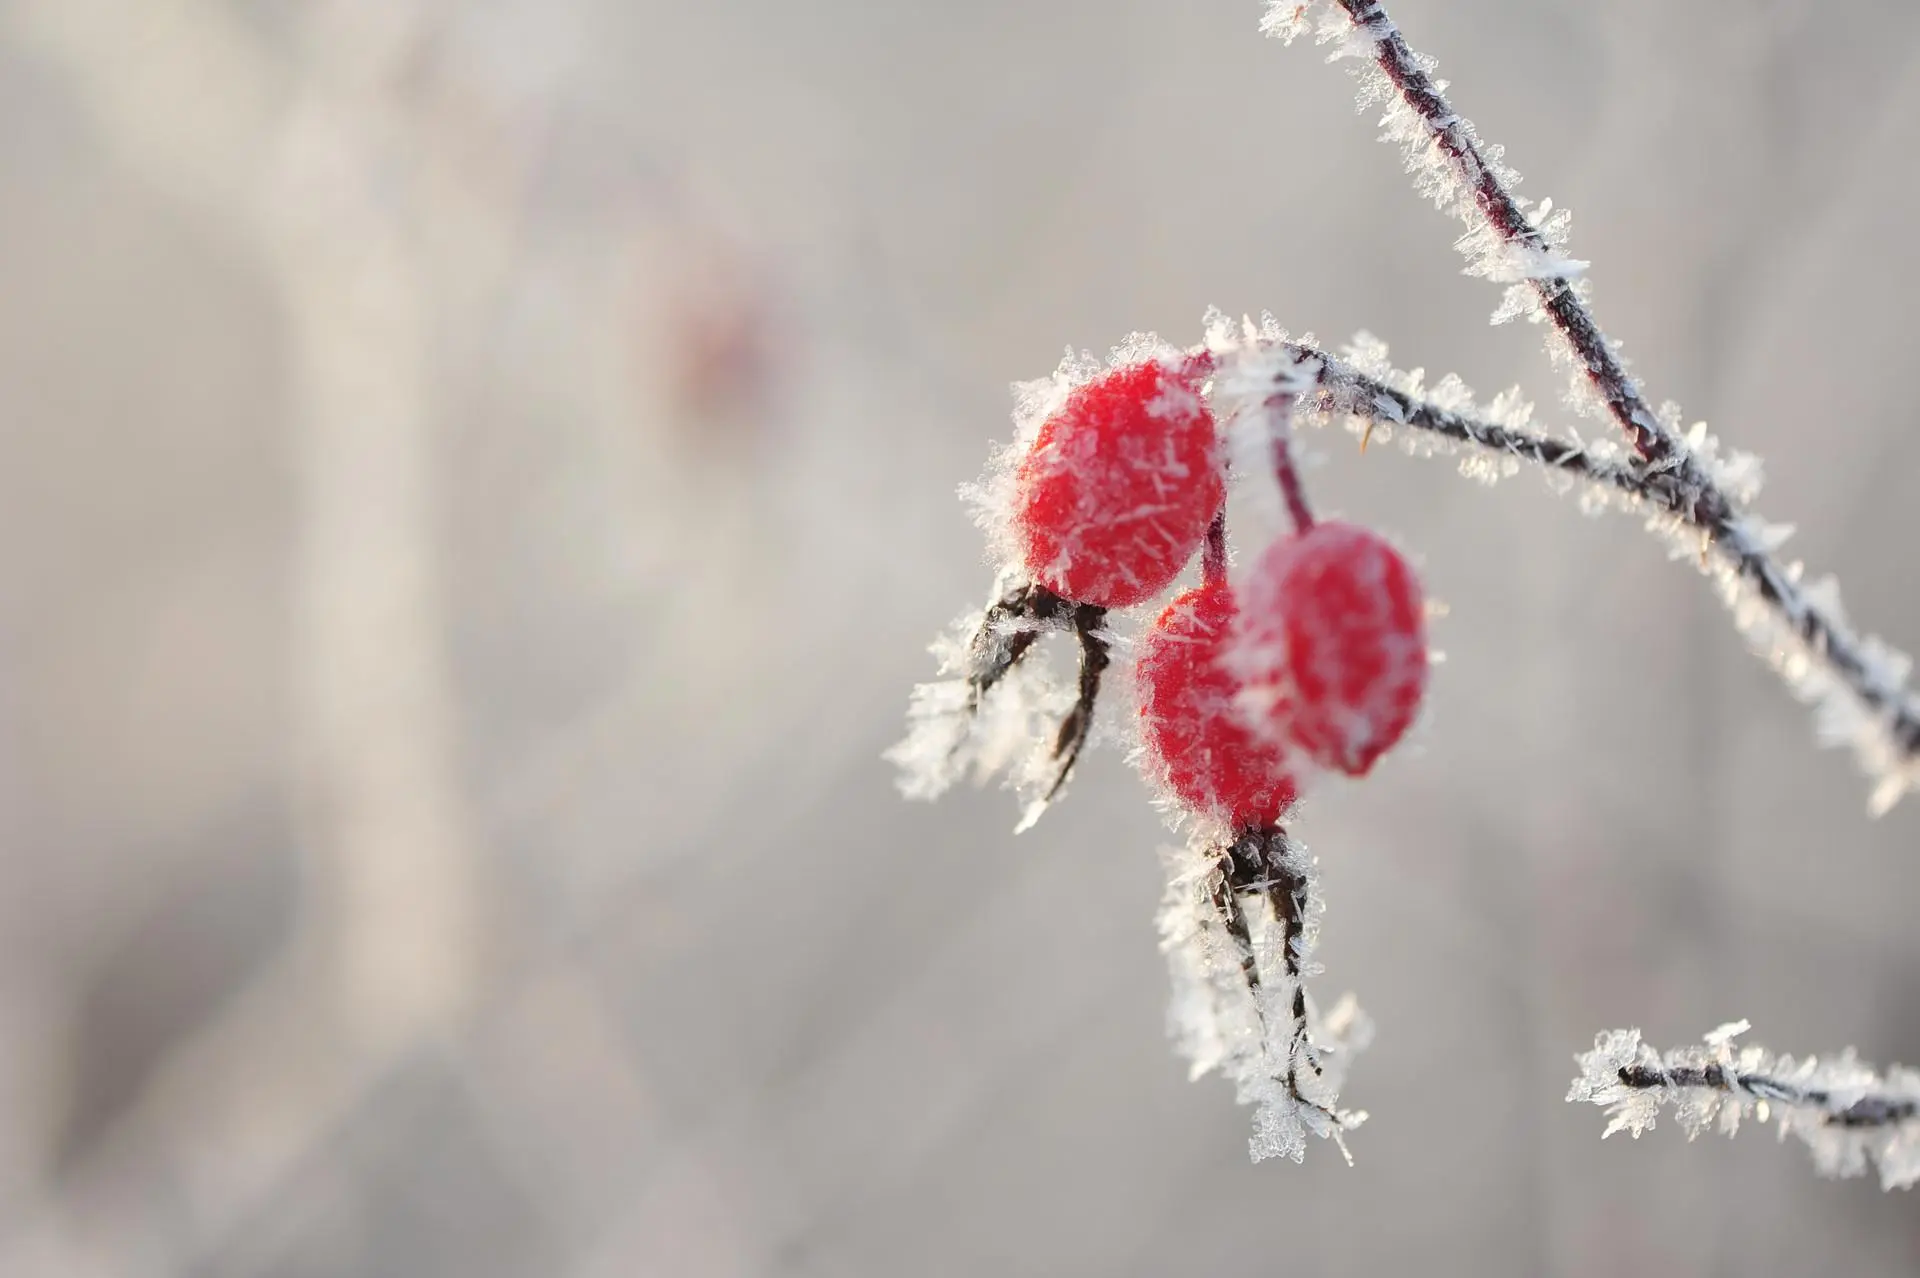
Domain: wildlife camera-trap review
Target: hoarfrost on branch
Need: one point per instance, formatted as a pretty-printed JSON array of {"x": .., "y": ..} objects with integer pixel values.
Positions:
[{"x": 1849, "y": 1116}]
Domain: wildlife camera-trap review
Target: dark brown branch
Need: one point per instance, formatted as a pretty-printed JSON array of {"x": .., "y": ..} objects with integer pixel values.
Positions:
[
  {"x": 1689, "y": 493},
  {"x": 1564, "y": 309}
]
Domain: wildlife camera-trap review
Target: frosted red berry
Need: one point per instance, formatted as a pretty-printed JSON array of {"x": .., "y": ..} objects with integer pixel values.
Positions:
[
  {"x": 1117, "y": 490},
  {"x": 1197, "y": 743},
  {"x": 1333, "y": 639}
]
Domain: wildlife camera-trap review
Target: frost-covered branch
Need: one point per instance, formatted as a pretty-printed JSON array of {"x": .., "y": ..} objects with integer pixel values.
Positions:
[
  {"x": 1238, "y": 925},
  {"x": 1507, "y": 239},
  {"x": 1848, "y": 1115},
  {"x": 1344, "y": 390},
  {"x": 1700, "y": 502},
  {"x": 1858, "y": 681}
]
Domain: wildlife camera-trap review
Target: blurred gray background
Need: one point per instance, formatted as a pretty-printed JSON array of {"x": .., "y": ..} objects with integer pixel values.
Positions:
[{"x": 476, "y": 490}]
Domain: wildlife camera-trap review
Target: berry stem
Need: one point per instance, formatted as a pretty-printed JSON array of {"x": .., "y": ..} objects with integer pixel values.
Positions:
[
  {"x": 1199, "y": 365},
  {"x": 1213, "y": 559},
  {"x": 1284, "y": 470}
]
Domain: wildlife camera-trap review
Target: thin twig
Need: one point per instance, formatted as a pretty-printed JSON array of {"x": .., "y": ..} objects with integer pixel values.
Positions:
[
  {"x": 1865, "y": 1111},
  {"x": 1848, "y": 1114}
]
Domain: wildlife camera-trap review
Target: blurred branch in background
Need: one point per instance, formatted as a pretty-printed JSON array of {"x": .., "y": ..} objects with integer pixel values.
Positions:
[
  {"x": 477, "y": 278},
  {"x": 296, "y": 151}
]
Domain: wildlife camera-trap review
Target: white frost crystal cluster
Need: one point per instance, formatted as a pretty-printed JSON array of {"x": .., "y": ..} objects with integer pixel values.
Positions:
[
  {"x": 1848, "y": 1115},
  {"x": 1233, "y": 1004}
]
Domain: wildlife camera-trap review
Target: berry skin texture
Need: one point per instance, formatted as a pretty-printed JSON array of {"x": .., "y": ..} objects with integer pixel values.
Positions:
[
  {"x": 1333, "y": 645},
  {"x": 1117, "y": 490},
  {"x": 1197, "y": 745}
]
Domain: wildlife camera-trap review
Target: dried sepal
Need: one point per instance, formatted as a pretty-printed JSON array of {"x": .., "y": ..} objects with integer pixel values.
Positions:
[
  {"x": 1001, "y": 711},
  {"x": 1238, "y": 925}
]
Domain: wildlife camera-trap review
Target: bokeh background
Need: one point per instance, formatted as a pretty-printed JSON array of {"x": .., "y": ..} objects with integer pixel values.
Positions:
[{"x": 475, "y": 487}]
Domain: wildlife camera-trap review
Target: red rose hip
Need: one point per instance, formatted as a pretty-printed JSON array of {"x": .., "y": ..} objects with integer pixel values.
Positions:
[
  {"x": 1197, "y": 744},
  {"x": 1332, "y": 642},
  {"x": 1117, "y": 490}
]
